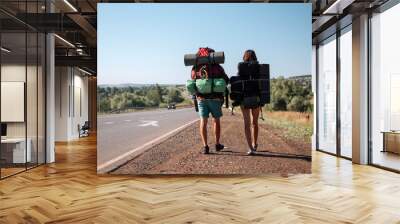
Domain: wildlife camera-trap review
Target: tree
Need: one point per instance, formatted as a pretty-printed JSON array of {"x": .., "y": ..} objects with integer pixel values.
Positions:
[
  {"x": 291, "y": 94},
  {"x": 104, "y": 104},
  {"x": 279, "y": 104},
  {"x": 117, "y": 102},
  {"x": 159, "y": 92},
  {"x": 297, "y": 103},
  {"x": 174, "y": 96},
  {"x": 154, "y": 97}
]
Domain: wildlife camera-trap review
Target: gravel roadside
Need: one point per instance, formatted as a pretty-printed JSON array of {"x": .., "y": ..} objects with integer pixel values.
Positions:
[{"x": 181, "y": 153}]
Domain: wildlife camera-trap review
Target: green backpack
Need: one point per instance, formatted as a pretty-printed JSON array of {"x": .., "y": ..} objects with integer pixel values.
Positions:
[
  {"x": 191, "y": 86},
  {"x": 206, "y": 86},
  {"x": 219, "y": 85}
]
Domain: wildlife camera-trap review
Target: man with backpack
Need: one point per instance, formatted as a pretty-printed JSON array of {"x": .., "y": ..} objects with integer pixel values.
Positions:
[{"x": 210, "y": 83}]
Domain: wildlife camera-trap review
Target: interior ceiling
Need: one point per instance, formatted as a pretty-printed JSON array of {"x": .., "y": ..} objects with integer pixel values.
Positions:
[
  {"x": 329, "y": 17},
  {"x": 78, "y": 24}
]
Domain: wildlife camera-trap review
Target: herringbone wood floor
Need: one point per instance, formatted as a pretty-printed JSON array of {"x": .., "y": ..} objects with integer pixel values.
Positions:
[{"x": 69, "y": 191}]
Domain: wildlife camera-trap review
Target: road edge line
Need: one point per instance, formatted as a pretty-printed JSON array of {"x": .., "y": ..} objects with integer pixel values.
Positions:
[{"x": 131, "y": 154}]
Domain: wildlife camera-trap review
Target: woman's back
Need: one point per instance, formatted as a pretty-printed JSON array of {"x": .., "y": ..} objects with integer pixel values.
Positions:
[{"x": 249, "y": 70}]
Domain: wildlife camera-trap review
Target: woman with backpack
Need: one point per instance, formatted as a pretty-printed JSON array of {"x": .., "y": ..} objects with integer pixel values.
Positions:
[{"x": 250, "y": 114}]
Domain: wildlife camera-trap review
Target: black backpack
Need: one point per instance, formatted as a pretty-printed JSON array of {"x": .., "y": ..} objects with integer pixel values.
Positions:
[{"x": 251, "y": 87}]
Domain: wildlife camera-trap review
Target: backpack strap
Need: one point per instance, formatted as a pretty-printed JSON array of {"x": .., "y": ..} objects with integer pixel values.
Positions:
[
  {"x": 227, "y": 98},
  {"x": 251, "y": 74},
  {"x": 195, "y": 78},
  {"x": 210, "y": 75}
]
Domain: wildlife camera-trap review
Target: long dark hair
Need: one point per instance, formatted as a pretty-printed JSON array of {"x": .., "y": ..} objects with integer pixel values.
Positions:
[{"x": 249, "y": 55}]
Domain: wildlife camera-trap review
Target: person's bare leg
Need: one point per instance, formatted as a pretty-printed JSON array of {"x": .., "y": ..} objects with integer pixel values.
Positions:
[
  {"x": 217, "y": 130},
  {"x": 247, "y": 129},
  {"x": 255, "y": 114},
  {"x": 203, "y": 130}
]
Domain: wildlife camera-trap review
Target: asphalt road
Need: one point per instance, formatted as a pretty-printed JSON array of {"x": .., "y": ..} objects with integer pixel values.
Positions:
[
  {"x": 120, "y": 133},
  {"x": 181, "y": 153}
]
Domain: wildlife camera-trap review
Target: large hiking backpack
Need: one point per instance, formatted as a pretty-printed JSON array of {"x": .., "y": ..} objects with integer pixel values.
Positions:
[
  {"x": 251, "y": 87},
  {"x": 206, "y": 78}
]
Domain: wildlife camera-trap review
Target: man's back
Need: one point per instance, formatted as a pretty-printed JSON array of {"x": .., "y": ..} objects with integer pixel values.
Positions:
[{"x": 215, "y": 71}]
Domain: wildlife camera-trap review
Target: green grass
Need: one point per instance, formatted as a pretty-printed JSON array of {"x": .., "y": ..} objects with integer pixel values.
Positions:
[{"x": 291, "y": 129}]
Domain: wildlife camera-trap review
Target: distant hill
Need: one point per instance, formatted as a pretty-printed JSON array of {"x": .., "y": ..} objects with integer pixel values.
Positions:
[
  {"x": 303, "y": 80},
  {"x": 300, "y": 77}
]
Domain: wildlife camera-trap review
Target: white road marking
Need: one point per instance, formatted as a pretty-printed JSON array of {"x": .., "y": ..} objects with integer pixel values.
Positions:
[
  {"x": 149, "y": 123},
  {"x": 108, "y": 122},
  {"x": 127, "y": 120},
  {"x": 119, "y": 160}
]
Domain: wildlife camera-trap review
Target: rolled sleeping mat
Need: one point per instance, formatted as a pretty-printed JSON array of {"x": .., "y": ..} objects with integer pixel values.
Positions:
[
  {"x": 265, "y": 94},
  {"x": 236, "y": 96},
  {"x": 236, "y": 89},
  {"x": 265, "y": 97},
  {"x": 247, "y": 70},
  {"x": 236, "y": 84},
  {"x": 213, "y": 58},
  {"x": 254, "y": 70},
  {"x": 251, "y": 87},
  {"x": 264, "y": 71}
]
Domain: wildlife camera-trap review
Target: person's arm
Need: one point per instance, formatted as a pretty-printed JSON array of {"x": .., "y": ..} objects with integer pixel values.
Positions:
[
  {"x": 224, "y": 75},
  {"x": 226, "y": 78},
  {"x": 193, "y": 73},
  {"x": 226, "y": 93}
]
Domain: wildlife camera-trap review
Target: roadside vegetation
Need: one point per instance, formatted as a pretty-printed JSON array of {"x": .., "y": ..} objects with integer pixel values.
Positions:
[
  {"x": 290, "y": 108},
  {"x": 291, "y": 94},
  {"x": 294, "y": 125},
  {"x": 116, "y": 99}
]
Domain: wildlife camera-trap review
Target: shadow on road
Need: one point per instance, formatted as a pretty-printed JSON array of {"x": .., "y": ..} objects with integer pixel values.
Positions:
[
  {"x": 264, "y": 154},
  {"x": 282, "y": 155},
  {"x": 229, "y": 152}
]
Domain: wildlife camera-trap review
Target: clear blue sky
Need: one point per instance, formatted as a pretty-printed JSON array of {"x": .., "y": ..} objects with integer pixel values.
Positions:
[{"x": 145, "y": 43}]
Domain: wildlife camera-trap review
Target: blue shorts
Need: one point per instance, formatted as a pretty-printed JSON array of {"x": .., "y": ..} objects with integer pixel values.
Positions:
[{"x": 213, "y": 106}]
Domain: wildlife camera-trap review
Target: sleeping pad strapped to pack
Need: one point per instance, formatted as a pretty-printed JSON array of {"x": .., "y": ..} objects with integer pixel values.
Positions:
[
  {"x": 251, "y": 87},
  {"x": 208, "y": 80}
]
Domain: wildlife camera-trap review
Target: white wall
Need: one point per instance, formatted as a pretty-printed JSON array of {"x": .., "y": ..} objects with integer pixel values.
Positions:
[
  {"x": 80, "y": 110},
  {"x": 33, "y": 126},
  {"x": 71, "y": 102},
  {"x": 62, "y": 83},
  {"x": 13, "y": 101},
  {"x": 360, "y": 89},
  {"x": 314, "y": 90},
  {"x": 16, "y": 73},
  {"x": 50, "y": 94},
  {"x": 12, "y": 73}
]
